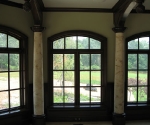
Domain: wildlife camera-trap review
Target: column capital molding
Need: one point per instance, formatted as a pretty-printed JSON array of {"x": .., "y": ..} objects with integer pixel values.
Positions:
[
  {"x": 37, "y": 28},
  {"x": 119, "y": 29}
]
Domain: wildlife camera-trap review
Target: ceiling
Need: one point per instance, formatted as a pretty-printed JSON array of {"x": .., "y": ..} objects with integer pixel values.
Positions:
[{"x": 80, "y": 4}]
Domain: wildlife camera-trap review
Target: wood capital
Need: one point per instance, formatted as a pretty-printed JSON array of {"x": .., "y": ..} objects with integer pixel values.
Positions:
[{"x": 37, "y": 28}]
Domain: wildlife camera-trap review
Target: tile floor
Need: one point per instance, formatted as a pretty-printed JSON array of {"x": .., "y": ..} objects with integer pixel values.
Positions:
[{"x": 141, "y": 122}]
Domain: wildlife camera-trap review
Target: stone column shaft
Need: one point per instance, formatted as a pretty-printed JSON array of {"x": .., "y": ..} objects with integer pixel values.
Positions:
[
  {"x": 119, "y": 74},
  {"x": 38, "y": 93}
]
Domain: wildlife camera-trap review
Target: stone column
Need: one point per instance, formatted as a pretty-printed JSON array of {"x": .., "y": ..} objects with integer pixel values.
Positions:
[
  {"x": 119, "y": 78},
  {"x": 38, "y": 88}
]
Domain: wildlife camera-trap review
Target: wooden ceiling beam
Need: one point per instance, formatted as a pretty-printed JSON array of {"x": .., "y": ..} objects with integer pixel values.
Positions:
[
  {"x": 121, "y": 11},
  {"x": 36, "y": 9}
]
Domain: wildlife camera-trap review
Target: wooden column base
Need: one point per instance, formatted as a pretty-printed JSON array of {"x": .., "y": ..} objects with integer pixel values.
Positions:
[
  {"x": 39, "y": 120},
  {"x": 118, "y": 119}
]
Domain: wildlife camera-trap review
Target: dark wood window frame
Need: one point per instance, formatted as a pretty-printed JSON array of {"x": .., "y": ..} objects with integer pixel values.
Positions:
[
  {"x": 140, "y": 104},
  {"x": 103, "y": 50},
  {"x": 23, "y": 70}
]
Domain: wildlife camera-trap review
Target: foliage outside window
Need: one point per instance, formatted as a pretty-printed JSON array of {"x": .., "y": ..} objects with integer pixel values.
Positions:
[
  {"x": 138, "y": 74},
  {"x": 12, "y": 71},
  {"x": 77, "y": 69}
]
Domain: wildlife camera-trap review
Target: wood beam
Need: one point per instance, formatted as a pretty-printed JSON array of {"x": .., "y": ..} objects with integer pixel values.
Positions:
[
  {"x": 36, "y": 9},
  {"x": 121, "y": 10}
]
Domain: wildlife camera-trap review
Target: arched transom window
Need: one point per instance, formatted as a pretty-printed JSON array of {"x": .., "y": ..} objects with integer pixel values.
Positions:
[
  {"x": 13, "y": 70},
  {"x": 76, "y": 68},
  {"x": 138, "y": 68}
]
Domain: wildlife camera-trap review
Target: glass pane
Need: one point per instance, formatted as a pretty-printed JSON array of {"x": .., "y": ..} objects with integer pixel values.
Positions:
[
  {"x": 84, "y": 95},
  {"x": 3, "y": 40},
  {"x": 95, "y": 61},
  {"x": 143, "y": 78},
  {"x": 3, "y": 62},
  {"x": 57, "y": 61},
  {"x": 95, "y": 94},
  {"x": 96, "y": 78},
  {"x": 84, "y": 61},
  {"x": 69, "y": 61},
  {"x": 133, "y": 44},
  {"x": 14, "y": 80},
  {"x": 71, "y": 42},
  {"x": 83, "y": 42},
  {"x": 84, "y": 78},
  {"x": 13, "y": 42},
  {"x": 14, "y": 62},
  {"x": 143, "y": 61},
  {"x": 132, "y": 78},
  {"x": 132, "y": 94},
  {"x": 58, "y": 78},
  {"x": 3, "y": 81},
  {"x": 4, "y": 100},
  {"x": 58, "y": 44},
  {"x": 95, "y": 44},
  {"x": 14, "y": 98},
  {"x": 144, "y": 43},
  {"x": 132, "y": 61},
  {"x": 142, "y": 94},
  {"x": 58, "y": 95},
  {"x": 69, "y": 78},
  {"x": 69, "y": 95}
]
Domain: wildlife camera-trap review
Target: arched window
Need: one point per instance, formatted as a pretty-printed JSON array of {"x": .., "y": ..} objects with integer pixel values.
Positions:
[
  {"x": 13, "y": 69},
  {"x": 138, "y": 68},
  {"x": 77, "y": 68}
]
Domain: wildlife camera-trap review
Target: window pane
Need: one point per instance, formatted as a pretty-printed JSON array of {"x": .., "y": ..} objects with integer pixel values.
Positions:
[
  {"x": 95, "y": 94},
  {"x": 68, "y": 61},
  {"x": 71, "y": 42},
  {"x": 132, "y": 78},
  {"x": 69, "y": 78},
  {"x": 96, "y": 78},
  {"x": 95, "y": 44},
  {"x": 13, "y": 42},
  {"x": 133, "y": 44},
  {"x": 57, "y": 78},
  {"x": 142, "y": 78},
  {"x": 84, "y": 78},
  {"x": 83, "y": 42},
  {"x": 143, "y": 61},
  {"x": 3, "y": 40},
  {"x": 14, "y": 98},
  {"x": 58, "y": 95},
  {"x": 14, "y": 80},
  {"x": 57, "y": 61},
  {"x": 3, "y": 62},
  {"x": 144, "y": 43},
  {"x": 58, "y": 44},
  {"x": 4, "y": 100},
  {"x": 142, "y": 94},
  {"x": 132, "y": 61},
  {"x": 84, "y": 61},
  {"x": 95, "y": 61},
  {"x": 69, "y": 95},
  {"x": 14, "y": 62},
  {"x": 132, "y": 94},
  {"x": 3, "y": 81},
  {"x": 84, "y": 95}
]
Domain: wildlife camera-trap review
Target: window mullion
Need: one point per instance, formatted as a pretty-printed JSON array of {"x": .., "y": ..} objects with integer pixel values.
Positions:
[
  {"x": 77, "y": 79},
  {"x": 9, "y": 80}
]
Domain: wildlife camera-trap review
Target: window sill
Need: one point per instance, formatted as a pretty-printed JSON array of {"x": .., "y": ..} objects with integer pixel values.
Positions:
[
  {"x": 77, "y": 107},
  {"x": 13, "y": 112}
]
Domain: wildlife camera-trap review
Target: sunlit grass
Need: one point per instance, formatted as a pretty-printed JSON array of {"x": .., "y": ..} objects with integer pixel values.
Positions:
[
  {"x": 5, "y": 75},
  {"x": 134, "y": 75}
]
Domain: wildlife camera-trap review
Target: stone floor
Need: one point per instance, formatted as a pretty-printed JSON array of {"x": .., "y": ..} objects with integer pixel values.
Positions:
[{"x": 99, "y": 123}]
